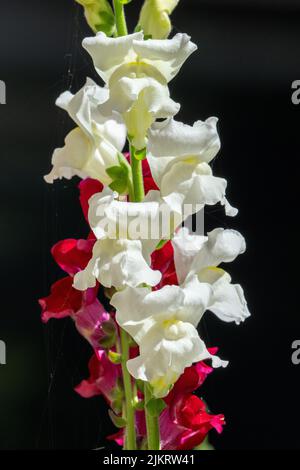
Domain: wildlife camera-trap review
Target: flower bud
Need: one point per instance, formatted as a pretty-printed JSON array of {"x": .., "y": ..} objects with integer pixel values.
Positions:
[{"x": 99, "y": 15}]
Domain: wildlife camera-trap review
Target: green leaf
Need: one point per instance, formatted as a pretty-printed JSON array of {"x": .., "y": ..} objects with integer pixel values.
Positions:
[
  {"x": 118, "y": 421},
  {"x": 120, "y": 175},
  {"x": 155, "y": 406},
  {"x": 114, "y": 357},
  {"x": 116, "y": 172},
  {"x": 119, "y": 186},
  {"x": 99, "y": 15},
  {"x": 124, "y": 2}
]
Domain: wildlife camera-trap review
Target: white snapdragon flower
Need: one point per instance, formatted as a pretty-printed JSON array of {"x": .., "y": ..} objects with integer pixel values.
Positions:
[
  {"x": 115, "y": 58},
  {"x": 163, "y": 323},
  {"x": 117, "y": 263},
  {"x": 125, "y": 241},
  {"x": 201, "y": 256},
  {"x": 179, "y": 157},
  {"x": 95, "y": 144},
  {"x": 137, "y": 73}
]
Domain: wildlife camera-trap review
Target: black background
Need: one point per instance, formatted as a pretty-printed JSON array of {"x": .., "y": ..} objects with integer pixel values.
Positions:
[{"x": 247, "y": 59}]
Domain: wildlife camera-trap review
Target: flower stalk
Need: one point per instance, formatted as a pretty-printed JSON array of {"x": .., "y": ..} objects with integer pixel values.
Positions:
[
  {"x": 130, "y": 434},
  {"x": 120, "y": 18},
  {"x": 152, "y": 423},
  {"x": 137, "y": 176}
]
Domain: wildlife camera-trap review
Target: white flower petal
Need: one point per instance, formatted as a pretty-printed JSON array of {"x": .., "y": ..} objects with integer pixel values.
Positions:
[
  {"x": 186, "y": 181},
  {"x": 112, "y": 218},
  {"x": 109, "y": 53},
  {"x": 185, "y": 248},
  {"x": 222, "y": 246},
  {"x": 163, "y": 359},
  {"x": 118, "y": 263},
  {"x": 122, "y": 56},
  {"x": 70, "y": 160},
  {"x": 167, "y": 55},
  {"x": 229, "y": 209},
  {"x": 140, "y": 101},
  {"x": 173, "y": 138},
  {"x": 82, "y": 107},
  {"x": 228, "y": 301}
]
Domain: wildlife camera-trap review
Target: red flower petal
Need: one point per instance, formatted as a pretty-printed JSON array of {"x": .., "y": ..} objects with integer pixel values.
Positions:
[
  {"x": 72, "y": 255},
  {"x": 63, "y": 301},
  {"x": 87, "y": 188}
]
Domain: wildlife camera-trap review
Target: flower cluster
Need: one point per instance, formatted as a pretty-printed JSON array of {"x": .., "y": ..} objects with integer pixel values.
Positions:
[{"x": 159, "y": 279}]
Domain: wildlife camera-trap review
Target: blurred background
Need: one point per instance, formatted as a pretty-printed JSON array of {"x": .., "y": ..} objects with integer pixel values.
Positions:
[{"x": 248, "y": 58}]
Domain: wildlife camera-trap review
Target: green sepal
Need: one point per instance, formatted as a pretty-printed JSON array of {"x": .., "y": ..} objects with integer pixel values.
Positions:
[
  {"x": 139, "y": 405},
  {"x": 140, "y": 154},
  {"x": 107, "y": 342},
  {"x": 117, "y": 406},
  {"x": 118, "y": 421},
  {"x": 124, "y": 2},
  {"x": 114, "y": 357},
  {"x": 108, "y": 327},
  {"x": 161, "y": 244},
  {"x": 140, "y": 385},
  {"x": 155, "y": 406}
]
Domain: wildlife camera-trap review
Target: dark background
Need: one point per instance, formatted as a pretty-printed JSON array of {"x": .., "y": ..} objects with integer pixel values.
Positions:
[{"x": 247, "y": 59}]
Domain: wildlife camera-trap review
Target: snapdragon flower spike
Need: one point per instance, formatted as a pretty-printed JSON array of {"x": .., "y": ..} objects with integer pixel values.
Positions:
[
  {"x": 179, "y": 157},
  {"x": 137, "y": 73},
  {"x": 163, "y": 323},
  {"x": 201, "y": 256},
  {"x": 95, "y": 144}
]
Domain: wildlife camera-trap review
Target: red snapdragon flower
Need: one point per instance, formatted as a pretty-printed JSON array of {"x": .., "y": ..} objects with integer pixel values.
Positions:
[
  {"x": 102, "y": 380},
  {"x": 185, "y": 423},
  {"x": 84, "y": 308}
]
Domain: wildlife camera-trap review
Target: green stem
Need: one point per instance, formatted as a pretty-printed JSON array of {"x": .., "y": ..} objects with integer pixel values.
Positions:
[
  {"x": 137, "y": 176},
  {"x": 120, "y": 18},
  {"x": 130, "y": 438},
  {"x": 152, "y": 424}
]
